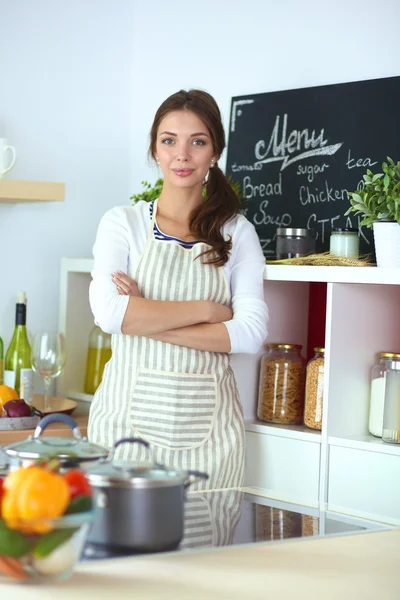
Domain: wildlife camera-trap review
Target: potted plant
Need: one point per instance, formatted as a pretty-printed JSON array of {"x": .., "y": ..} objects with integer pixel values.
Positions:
[{"x": 379, "y": 205}]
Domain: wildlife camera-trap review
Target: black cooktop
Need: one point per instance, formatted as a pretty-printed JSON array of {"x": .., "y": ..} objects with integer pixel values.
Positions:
[{"x": 234, "y": 517}]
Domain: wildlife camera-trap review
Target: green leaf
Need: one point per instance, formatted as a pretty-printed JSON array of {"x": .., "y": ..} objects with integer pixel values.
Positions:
[
  {"x": 377, "y": 176},
  {"x": 386, "y": 180}
]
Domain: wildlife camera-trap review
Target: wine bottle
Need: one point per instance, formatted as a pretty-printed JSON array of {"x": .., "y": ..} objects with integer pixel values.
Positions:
[
  {"x": 18, "y": 372},
  {"x": 1, "y": 360}
]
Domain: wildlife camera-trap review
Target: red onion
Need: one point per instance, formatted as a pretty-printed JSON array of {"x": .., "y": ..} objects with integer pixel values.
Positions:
[{"x": 17, "y": 408}]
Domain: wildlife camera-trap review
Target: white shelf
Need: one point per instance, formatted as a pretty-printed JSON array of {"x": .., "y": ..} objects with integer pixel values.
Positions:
[
  {"x": 332, "y": 274},
  {"x": 77, "y": 265},
  {"x": 80, "y": 396},
  {"x": 368, "y": 443},
  {"x": 14, "y": 191},
  {"x": 372, "y": 275},
  {"x": 339, "y": 467},
  {"x": 295, "y": 432}
]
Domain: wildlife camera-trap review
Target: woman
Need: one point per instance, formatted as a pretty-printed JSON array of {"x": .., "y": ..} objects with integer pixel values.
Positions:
[{"x": 179, "y": 284}]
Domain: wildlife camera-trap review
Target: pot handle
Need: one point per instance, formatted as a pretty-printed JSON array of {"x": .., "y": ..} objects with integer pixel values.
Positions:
[
  {"x": 126, "y": 441},
  {"x": 197, "y": 476},
  {"x": 55, "y": 418}
]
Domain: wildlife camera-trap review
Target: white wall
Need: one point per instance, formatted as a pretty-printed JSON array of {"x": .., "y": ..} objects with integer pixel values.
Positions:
[
  {"x": 65, "y": 103},
  {"x": 80, "y": 82}
]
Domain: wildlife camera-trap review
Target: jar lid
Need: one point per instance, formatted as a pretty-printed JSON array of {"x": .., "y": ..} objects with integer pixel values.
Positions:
[
  {"x": 320, "y": 350},
  {"x": 344, "y": 230},
  {"x": 297, "y": 232},
  {"x": 285, "y": 346},
  {"x": 395, "y": 355}
]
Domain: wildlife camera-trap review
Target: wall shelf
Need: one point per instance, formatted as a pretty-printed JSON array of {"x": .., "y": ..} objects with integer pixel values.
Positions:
[
  {"x": 374, "y": 275},
  {"x": 13, "y": 191},
  {"x": 296, "y": 432},
  {"x": 369, "y": 443}
]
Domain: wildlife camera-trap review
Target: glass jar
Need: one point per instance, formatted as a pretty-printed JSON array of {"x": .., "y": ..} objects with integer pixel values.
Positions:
[
  {"x": 377, "y": 393},
  {"x": 281, "y": 386},
  {"x": 309, "y": 526},
  {"x": 314, "y": 395},
  {"x": 99, "y": 353},
  {"x": 344, "y": 241},
  {"x": 276, "y": 523},
  {"x": 292, "y": 242},
  {"x": 391, "y": 412}
]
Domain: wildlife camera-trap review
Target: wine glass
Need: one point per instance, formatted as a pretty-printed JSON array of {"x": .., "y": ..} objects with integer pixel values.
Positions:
[{"x": 48, "y": 359}]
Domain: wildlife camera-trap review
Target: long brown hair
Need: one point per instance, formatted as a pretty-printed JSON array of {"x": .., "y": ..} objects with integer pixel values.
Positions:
[{"x": 221, "y": 202}]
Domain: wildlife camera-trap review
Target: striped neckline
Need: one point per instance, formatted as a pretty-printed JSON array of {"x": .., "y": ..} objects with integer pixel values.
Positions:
[{"x": 159, "y": 235}]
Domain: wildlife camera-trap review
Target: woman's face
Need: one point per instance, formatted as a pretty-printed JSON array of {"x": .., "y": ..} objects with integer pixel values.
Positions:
[{"x": 184, "y": 149}]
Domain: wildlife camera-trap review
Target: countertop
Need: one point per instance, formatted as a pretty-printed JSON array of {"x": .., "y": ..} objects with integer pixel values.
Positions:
[
  {"x": 55, "y": 429},
  {"x": 360, "y": 566}
]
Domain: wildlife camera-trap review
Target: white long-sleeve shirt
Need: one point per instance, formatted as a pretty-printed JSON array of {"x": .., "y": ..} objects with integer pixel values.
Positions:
[{"x": 120, "y": 241}]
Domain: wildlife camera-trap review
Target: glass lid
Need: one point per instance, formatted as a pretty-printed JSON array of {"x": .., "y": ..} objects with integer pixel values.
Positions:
[{"x": 74, "y": 448}]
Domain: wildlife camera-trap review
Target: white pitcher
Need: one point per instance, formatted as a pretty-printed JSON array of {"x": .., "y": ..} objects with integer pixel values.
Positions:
[{"x": 8, "y": 156}]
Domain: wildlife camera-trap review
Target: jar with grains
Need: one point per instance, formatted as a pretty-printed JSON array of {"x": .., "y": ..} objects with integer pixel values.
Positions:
[
  {"x": 276, "y": 524},
  {"x": 281, "y": 387},
  {"x": 314, "y": 390}
]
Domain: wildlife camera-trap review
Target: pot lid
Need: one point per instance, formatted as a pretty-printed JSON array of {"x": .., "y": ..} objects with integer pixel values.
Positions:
[
  {"x": 75, "y": 448},
  {"x": 113, "y": 473},
  {"x": 127, "y": 474}
]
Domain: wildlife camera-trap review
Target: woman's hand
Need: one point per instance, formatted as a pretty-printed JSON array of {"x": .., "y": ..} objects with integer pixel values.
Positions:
[
  {"x": 125, "y": 285},
  {"x": 219, "y": 313}
]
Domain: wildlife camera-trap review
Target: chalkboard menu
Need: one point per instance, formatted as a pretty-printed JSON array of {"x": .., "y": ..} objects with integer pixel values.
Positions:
[{"x": 298, "y": 153}]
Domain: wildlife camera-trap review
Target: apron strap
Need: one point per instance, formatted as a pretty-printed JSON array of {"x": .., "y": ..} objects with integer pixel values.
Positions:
[{"x": 153, "y": 220}]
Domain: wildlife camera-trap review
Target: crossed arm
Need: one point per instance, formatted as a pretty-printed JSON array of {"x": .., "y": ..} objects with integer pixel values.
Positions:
[{"x": 194, "y": 324}]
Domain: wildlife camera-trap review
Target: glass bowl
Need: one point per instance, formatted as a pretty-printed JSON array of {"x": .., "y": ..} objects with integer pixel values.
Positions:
[{"x": 26, "y": 554}]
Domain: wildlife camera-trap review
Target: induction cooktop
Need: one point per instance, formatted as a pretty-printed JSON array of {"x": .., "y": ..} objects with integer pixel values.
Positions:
[{"x": 235, "y": 517}]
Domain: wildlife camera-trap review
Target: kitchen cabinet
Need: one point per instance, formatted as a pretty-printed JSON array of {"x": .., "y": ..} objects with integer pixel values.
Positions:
[
  {"x": 14, "y": 191},
  {"x": 341, "y": 468}
]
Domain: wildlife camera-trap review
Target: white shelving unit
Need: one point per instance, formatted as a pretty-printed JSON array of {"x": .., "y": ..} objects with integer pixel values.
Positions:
[{"x": 340, "y": 469}]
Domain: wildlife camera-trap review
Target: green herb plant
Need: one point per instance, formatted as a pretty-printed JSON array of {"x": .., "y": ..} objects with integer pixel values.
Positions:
[
  {"x": 152, "y": 192},
  {"x": 380, "y": 198}
]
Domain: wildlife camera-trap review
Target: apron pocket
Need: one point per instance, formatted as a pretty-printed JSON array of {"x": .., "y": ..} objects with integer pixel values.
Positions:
[{"x": 173, "y": 410}]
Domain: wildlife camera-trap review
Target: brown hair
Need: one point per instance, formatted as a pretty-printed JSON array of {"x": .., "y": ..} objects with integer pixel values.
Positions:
[{"x": 222, "y": 202}]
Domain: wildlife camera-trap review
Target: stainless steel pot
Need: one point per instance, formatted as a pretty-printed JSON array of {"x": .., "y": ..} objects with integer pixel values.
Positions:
[
  {"x": 138, "y": 506},
  {"x": 71, "y": 451}
]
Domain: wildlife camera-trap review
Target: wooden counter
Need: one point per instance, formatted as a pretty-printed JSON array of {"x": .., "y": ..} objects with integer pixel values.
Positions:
[
  {"x": 351, "y": 567},
  {"x": 55, "y": 429}
]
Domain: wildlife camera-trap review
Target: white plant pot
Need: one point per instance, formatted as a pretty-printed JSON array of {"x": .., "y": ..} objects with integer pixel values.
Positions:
[{"x": 387, "y": 244}]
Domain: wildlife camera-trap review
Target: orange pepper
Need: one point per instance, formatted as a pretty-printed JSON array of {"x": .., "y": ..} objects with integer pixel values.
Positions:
[{"x": 32, "y": 496}]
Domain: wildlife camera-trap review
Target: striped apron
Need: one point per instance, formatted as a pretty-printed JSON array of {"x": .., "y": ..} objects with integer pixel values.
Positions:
[
  {"x": 184, "y": 402},
  {"x": 211, "y": 518}
]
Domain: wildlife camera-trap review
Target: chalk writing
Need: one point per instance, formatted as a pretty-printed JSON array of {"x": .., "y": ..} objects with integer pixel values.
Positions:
[
  {"x": 282, "y": 146},
  {"x": 236, "y": 111},
  {"x": 237, "y": 168},
  {"x": 361, "y": 162},
  {"x": 261, "y": 190},
  {"x": 261, "y": 217},
  {"x": 328, "y": 194},
  {"x": 311, "y": 170}
]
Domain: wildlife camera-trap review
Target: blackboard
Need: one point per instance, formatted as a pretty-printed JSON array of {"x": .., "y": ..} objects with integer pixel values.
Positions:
[{"x": 297, "y": 154}]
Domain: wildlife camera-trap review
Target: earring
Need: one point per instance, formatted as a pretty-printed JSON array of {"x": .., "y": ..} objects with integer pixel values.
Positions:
[
  {"x": 212, "y": 163},
  {"x": 157, "y": 160}
]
